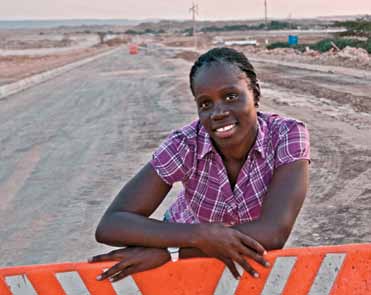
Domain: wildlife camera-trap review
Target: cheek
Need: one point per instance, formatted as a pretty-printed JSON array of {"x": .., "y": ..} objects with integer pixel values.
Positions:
[{"x": 204, "y": 119}]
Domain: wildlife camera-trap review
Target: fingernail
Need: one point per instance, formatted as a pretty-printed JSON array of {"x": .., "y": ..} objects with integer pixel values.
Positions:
[
  {"x": 99, "y": 277},
  {"x": 267, "y": 264},
  {"x": 256, "y": 275},
  {"x": 265, "y": 252}
]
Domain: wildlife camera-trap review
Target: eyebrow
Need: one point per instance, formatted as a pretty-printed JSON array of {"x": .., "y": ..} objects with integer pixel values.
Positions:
[
  {"x": 222, "y": 89},
  {"x": 201, "y": 97}
]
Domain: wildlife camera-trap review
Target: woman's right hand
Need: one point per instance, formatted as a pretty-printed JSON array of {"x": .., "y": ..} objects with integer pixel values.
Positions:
[{"x": 230, "y": 245}]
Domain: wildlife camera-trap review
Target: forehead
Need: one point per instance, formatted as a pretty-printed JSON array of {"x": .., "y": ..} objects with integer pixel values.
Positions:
[{"x": 218, "y": 75}]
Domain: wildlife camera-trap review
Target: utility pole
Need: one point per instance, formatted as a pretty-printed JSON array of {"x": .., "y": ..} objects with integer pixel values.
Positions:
[
  {"x": 194, "y": 11},
  {"x": 265, "y": 14}
]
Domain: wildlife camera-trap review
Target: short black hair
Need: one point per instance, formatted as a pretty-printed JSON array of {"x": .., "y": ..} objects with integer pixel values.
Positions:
[{"x": 231, "y": 56}]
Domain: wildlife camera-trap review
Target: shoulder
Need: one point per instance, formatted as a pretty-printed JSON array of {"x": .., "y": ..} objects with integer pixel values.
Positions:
[
  {"x": 186, "y": 136},
  {"x": 174, "y": 158},
  {"x": 289, "y": 138},
  {"x": 278, "y": 126},
  {"x": 187, "y": 133},
  {"x": 180, "y": 142}
]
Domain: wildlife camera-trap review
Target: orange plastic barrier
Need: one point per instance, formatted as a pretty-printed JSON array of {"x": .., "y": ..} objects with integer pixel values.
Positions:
[
  {"x": 331, "y": 270},
  {"x": 133, "y": 49}
]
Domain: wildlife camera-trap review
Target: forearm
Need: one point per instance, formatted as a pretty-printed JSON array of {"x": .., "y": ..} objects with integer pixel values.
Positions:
[
  {"x": 270, "y": 235},
  {"x": 191, "y": 253},
  {"x": 281, "y": 206},
  {"x": 125, "y": 229}
]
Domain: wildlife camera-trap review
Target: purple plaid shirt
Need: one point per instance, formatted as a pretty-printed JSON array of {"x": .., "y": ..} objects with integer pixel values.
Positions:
[{"x": 188, "y": 155}]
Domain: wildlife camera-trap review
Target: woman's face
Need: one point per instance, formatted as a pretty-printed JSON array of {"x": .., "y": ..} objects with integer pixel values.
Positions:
[{"x": 225, "y": 104}]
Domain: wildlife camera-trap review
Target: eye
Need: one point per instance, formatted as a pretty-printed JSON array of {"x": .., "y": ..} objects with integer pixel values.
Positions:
[
  {"x": 203, "y": 105},
  {"x": 231, "y": 97}
]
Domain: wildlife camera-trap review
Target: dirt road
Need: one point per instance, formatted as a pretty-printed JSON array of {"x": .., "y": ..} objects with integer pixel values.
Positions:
[{"x": 69, "y": 144}]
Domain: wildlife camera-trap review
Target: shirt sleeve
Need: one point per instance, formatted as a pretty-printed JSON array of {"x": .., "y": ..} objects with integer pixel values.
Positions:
[
  {"x": 293, "y": 143},
  {"x": 173, "y": 159}
]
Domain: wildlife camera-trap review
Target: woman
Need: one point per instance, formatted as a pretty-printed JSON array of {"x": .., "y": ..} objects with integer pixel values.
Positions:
[{"x": 245, "y": 177}]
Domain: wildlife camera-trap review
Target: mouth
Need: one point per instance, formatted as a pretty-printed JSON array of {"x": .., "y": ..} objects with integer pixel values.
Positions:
[{"x": 225, "y": 131}]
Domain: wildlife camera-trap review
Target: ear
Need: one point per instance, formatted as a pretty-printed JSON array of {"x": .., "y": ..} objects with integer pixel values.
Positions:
[{"x": 257, "y": 93}]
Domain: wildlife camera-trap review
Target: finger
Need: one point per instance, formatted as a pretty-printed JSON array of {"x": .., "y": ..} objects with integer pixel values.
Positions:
[
  {"x": 254, "y": 255},
  {"x": 231, "y": 266},
  {"x": 102, "y": 257},
  {"x": 122, "y": 274},
  {"x": 117, "y": 254},
  {"x": 253, "y": 244},
  {"x": 247, "y": 267},
  {"x": 118, "y": 267}
]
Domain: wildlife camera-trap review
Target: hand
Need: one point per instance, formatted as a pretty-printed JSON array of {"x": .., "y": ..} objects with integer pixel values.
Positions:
[
  {"x": 230, "y": 245},
  {"x": 132, "y": 260}
]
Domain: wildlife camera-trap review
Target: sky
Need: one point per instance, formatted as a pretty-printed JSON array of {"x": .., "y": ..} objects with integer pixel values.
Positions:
[{"x": 177, "y": 9}]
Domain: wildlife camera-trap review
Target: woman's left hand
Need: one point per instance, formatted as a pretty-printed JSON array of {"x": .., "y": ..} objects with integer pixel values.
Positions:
[{"x": 132, "y": 260}]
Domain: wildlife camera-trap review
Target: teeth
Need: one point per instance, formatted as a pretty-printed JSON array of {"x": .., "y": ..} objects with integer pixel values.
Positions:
[{"x": 226, "y": 128}]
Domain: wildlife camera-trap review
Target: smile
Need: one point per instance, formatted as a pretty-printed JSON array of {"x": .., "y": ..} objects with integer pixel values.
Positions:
[{"x": 226, "y": 131}]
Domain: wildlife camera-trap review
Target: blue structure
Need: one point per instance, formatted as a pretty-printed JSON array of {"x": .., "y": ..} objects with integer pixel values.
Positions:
[{"x": 293, "y": 40}]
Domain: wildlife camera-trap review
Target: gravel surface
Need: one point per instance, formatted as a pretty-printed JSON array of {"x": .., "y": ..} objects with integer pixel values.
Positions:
[{"x": 68, "y": 145}]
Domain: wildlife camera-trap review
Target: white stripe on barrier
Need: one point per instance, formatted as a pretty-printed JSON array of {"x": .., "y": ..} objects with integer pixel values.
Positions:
[
  {"x": 126, "y": 286},
  {"x": 279, "y": 275},
  {"x": 20, "y": 285},
  {"x": 227, "y": 284},
  {"x": 327, "y": 274},
  {"x": 72, "y": 283}
]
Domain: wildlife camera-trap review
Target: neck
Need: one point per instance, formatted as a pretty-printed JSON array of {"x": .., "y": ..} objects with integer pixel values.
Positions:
[{"x": 239, "y": 151}]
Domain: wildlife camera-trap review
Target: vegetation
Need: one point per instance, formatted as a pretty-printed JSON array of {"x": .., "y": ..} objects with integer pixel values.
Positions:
[
  {"x": 272, "y": 25},
  {"x": 326, "y": 44},
  {"x": 275, "y": 45},
  {"x": 146, "y": 31},
  {"x": 360, "y": 27}
]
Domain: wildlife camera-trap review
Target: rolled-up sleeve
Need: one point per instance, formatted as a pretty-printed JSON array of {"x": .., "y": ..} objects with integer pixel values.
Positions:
[
  {"x": 172, "y": 160},
  {"x": 293, "y": 143}
]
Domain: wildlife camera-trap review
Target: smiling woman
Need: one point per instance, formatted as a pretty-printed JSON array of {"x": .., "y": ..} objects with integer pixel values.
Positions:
[{"x": 244, "y": 176}]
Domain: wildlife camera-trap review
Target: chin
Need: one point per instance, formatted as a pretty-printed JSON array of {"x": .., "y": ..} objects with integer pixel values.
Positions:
[{"x": 226, "y": 142}]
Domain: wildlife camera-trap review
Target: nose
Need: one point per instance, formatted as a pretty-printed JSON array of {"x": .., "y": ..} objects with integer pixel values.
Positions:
[{"x": 219, "y": 112}]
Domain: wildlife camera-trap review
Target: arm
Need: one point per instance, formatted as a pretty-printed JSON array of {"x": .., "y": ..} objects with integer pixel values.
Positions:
[
  {"x": 126, "y": 221},
  {"x": 281, "y": 206}
]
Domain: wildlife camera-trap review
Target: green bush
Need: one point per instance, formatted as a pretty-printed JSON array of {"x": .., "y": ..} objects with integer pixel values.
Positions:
[
  {"x": 273, "y": 25},
  {"x": 274, "y": 45},
  {"x": 326, "y": 45},
  {"x": 146, "y": 31}
]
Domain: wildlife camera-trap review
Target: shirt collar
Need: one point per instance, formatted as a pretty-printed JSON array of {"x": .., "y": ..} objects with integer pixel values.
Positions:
[
  {"x": 260, "y": 145},
  {"x": 205, "y": 145}
]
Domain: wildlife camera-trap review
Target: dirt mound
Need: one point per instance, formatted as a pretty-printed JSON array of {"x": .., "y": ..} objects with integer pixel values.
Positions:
[
  {"x": 116, "y": 42},
  {"x": 187, "y": 55},
  {"x": 13, "y": 68},
  {"x": 35, "y": 44},
  {"x": 355, "y": 54}
]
